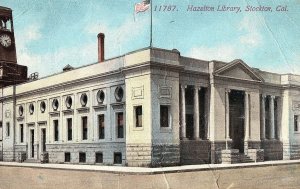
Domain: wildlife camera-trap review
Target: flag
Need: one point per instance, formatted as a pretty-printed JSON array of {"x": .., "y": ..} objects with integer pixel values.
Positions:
[{"x": 142, "y": 7}]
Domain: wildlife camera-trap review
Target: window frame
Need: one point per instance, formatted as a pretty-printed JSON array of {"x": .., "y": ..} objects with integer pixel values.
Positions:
[
  {"x": 69, "y": 120},
  {"x": 168, "y": 116},
  {"x": 101, "y": 137},
  {"x": 296, "y": 123},
  {"x": 21, "y": 133},
  {"x": 83, "y": 129},
  {"x": 7, "y": 128},
  {"x": 56, "y": 130},
  {"x": 136, "y": 118},
  {"x": 118, "y": 126}
]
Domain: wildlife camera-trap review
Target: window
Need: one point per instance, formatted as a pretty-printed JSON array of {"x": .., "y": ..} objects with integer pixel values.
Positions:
[
  {"x": 84, "y": 128},
  {"x": 21, "y": 110},
  {"x": 69, "y": 125},
  {"x": 67, "y": 157},
  {"x": 55, "y": 104},
  {"x": 119, "y": 93},
  {"x": 43, "y": 106},
  {"x": 164, "y": 116},
  {"x": 120, "y": 125},
  {"x": 69, "y": 102},
  {"x": 99, "y": 157},
  {"x": 31, "y": 109},
  {"x": 100, "y": 96},
  {"x": 82, "y": 157},
  {"x": 7, "y": 129},
  {"x": 101, "y": 126},
  {"x": 83, "y": 99},
  {"x": 296, "y": 123},
  {"x": 55, "y": 125},
  {"x": 117, "y": 158},
  {"x": 139, "y": 116},
  {"x": 21, "y": 133}
]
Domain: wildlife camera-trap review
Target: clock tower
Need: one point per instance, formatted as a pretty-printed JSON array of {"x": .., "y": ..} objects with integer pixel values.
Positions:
[{"x": 10, "y": 72}]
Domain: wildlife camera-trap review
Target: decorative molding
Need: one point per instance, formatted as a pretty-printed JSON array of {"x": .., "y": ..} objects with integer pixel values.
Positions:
[
  {"x": 296, "y": 105},
  {"x": 100, "y": 107},
  {"x": 21, "y": 118},
  {"x": 42, "y": 123},
  {"x": 138, "y": 92},
  {"x": 83, "y": 109},
  {"x": 56, "y": 113},
  {"x": 68, "y": 111},
  {"x": 165, "y": 92}
]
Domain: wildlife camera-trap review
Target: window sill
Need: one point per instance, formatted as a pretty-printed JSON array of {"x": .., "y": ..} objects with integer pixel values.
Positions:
[
  {"x": 165, "y": 129},
  {"x": 138, "y": 128}
]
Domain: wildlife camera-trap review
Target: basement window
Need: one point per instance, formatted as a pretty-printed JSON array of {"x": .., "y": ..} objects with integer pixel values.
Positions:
[
  {"x": 296, "y": 126},
  {"x": 99, "y": 157},
  {"x": 117, "y": 158},
  {"x": 82, "y": 157},
  {"x": 67, "y": 157}
]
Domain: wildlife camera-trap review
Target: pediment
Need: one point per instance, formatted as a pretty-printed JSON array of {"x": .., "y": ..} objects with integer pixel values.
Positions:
[{"x": 237, "y": 69}]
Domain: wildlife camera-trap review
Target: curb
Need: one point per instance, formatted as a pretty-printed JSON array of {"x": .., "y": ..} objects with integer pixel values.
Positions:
[{"x": 148, "y": 171}]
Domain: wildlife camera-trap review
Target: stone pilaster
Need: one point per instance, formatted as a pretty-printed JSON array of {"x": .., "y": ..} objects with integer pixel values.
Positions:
[{"x": 183, "y": 122}]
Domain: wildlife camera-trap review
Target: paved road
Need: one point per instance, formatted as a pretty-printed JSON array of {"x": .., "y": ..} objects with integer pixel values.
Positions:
[{"x": 282, "y": 176}]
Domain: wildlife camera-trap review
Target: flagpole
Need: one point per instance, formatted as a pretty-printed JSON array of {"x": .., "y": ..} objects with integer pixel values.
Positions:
[{"x": 151, "y": 24}]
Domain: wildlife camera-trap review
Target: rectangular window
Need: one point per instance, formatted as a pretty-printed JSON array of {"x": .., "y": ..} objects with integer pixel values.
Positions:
[
  {"x": 21, "y": 133},
  {"x": 7, "y": 129},
  {"x": 101, "y": 126},
  {"x": 99, "y": 157},
  {"x": 138, "y": 116},
  {"x": 84, "y": 128},
  {"x": 0, "y": 130},
  {"x": 296, "y": 123},
  {"x": 164, "y": 116},
  {"x": 67, "y": 157},
  {"x": 69, "y": 124},
  {"x": 117, "y": 158},
  {"x": 82, "y": 157},
  {"x": 120, "y": 125},
  {"x": 55, "y": 125}
]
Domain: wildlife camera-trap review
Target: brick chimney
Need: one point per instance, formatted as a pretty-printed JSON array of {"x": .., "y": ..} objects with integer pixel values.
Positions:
[{"x": 101, "y": 37}]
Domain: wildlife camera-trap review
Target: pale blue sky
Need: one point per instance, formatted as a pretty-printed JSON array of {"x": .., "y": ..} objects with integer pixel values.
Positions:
[{"x": 53, "y": 33}]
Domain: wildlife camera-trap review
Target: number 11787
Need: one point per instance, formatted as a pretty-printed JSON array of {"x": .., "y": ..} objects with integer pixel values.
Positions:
[{"x": 165, "y": 8}]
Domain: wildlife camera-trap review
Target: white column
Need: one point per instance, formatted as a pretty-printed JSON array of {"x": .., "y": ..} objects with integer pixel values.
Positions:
[
  {"x": 263, "y": 118},
  {"x": 272, "y": 125},
  {"x": 183, "y": 123},
  {"x": 227, "y": 91},
  {"x": 196, "y": 114},
  {"x": 247, "y": 116}
]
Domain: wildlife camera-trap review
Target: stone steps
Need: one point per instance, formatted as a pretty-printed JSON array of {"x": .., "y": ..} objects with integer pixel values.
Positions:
[{"x": 245, "y": 159}]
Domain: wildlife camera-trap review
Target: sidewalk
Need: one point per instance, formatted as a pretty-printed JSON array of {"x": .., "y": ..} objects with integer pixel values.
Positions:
[{"x": 144, "y": 170}]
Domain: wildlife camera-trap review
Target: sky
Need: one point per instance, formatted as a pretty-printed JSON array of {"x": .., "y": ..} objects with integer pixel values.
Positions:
[{"x": 53, "y": 33}]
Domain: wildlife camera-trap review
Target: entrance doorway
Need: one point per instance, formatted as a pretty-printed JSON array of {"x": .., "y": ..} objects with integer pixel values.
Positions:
[
  {"x": 237, "y": 119},
  {"x": 32, "y": 143},
  {"x": 43, "y": 137}
]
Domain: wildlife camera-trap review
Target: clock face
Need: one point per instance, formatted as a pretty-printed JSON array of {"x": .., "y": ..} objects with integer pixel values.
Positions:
[{"x": 5, "y": 40}]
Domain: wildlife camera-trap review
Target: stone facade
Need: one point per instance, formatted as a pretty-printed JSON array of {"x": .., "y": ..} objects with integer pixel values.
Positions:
[{"x": 153, "y": 107}]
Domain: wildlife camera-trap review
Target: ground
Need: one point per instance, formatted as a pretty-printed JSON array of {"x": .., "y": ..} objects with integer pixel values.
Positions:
[{"x": 279, "y": 176}]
